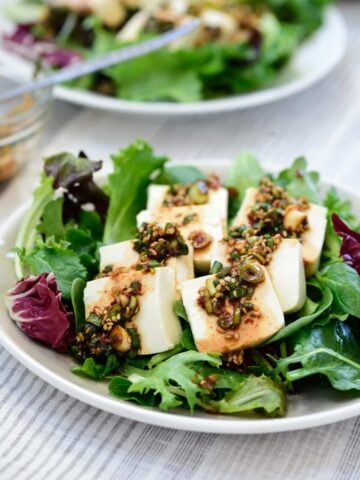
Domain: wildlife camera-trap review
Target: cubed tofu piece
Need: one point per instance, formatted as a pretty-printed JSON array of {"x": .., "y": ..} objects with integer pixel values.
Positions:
[
  {"x": 241, "y": 218},
  {"x": 218, "y": 199},
  {"x": 190, "y": 219},
  {"x": 251, "y": 332},
  {"x": 286, "y": 271},
  {"x": 122, "y": 254},
  {"x": 312, "y": 239},
  {"x": 312, "y": 243},
  {"x": 158, "y": 327}
]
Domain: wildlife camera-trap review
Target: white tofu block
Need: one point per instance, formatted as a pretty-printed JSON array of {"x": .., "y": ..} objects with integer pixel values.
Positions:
[
  {"x": 312, "y": 243},
  {"x": 205, "y": 220},
  {"x": 286, "y": 271},
  {"x": 157, "y": 325},
  {"x": 252, "y": 331},
  {"x": 287, "y": 274},
  {"x": 218, "y": 199},
  {"x": 312, "y": 239},
  {"x": 122, "y": 254},
  {"x": 241, "y": 218}
]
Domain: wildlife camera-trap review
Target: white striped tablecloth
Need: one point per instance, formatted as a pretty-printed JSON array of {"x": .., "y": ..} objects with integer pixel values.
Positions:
[{"x": 45, "y": 434}]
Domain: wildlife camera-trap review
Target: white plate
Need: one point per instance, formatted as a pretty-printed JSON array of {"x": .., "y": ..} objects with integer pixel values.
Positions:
[
  {"x": 313, "y": 61},
  {"x": 317, "y": 407}
]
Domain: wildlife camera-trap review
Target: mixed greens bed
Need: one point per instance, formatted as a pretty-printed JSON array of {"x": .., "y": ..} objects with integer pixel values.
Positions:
[
  {"x": 57, "y": 258},
  {"x": 240, "y": 46}
]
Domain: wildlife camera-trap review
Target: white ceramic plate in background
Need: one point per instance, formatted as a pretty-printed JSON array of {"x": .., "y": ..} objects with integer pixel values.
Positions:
[
  {"x": 310, "y": 409},
  {"x": 313, "y": 61}
]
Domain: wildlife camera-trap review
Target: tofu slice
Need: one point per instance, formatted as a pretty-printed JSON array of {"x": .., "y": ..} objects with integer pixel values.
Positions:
[
  {"x": 157, "y": 325},
  {"x": 122, "y": 254},
  {"x": 286, "y": 271},
  {"x": 205, "y": 220},
  {"x": 312, "y": 240},
  {"x": 218, "y": 199},
  {"x": 252, "y": 331}
]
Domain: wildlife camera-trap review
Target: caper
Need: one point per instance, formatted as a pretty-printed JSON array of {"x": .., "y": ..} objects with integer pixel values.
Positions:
[
  {"x": 199, "y": 192},
  {"x": 225, "y": 322},
  {"x": 251, "y": 272}
]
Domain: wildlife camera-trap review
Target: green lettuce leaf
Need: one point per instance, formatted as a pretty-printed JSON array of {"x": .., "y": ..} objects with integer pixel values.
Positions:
[
  {"x": 245, "y": 171},
  {"x": 171, "y": 379},
  {"x": 133, "y": 170},
  {"x": 299, "y": 182},
  {"x": 56, "y": 258},
  {"x": 253, "y": 393}
]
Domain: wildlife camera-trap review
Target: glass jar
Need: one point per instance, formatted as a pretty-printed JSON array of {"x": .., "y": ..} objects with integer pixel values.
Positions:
[{"x": 21, "y": 125}]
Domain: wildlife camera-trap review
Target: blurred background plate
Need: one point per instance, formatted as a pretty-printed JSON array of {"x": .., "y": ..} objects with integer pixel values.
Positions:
[{"x": 313, "y": 61}]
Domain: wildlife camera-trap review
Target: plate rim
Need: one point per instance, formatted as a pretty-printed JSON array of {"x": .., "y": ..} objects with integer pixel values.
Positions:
[
  {"x": 268, "y": 95},
  {"x": 165, "y": 419}
]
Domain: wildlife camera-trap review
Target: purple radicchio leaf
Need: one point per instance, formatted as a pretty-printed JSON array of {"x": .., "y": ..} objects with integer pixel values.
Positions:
[
  {"x": 36, "y": 306},
  {"x": 350, "y": 247},
  {"x": 22, "y": 42}
]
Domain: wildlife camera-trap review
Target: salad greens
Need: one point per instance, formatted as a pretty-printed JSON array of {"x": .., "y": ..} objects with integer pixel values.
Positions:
[
  {"x": 62, "y": 235},
  {"x": 133, "y": 168},
  {"x": 239, "y": 47}
]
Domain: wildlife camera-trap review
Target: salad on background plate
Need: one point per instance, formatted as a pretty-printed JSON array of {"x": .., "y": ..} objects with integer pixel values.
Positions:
[
  {"x": 179, "y": 290},
  {"x": 240, "y": 47}
]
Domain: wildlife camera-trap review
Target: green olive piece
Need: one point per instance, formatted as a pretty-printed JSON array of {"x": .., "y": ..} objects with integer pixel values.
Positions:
[
  {"x": 199, "y": 193},
  {"x": 251, "y": 272}
]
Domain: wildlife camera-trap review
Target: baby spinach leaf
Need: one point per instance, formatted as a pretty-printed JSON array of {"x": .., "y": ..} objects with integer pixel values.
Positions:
[
  {"x": 97, "y": 371},
  {"x": 331, "y": 350},
  {"x": 187, "y": 339},
  {"x": 133, "y": 168},
  {"x": 310, "y": 311},
  {"x": 51, "y": 224},
  {"x": 344, "y": 284}
]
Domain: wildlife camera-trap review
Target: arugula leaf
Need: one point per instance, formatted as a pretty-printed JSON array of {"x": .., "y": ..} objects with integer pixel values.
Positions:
[
  {"x": 245, "y": 171},
  {"x": 344, "y": 283},
  {"x": 331, "y": 350},
  {"x": 77, "y": 301},
  {"x": 97, "y": 371},
  {"x": 310, "y": 311},
  {"x": 253, "y": 393},
  {"x": 175, "y": 374},
  {"x": 56, "y": 258},
  {"x": 299, "y": 182},
  {"x": 158, "y": 76},
  {"x": 133, "y": 168},
  {"x": 179, "y": 174}
]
